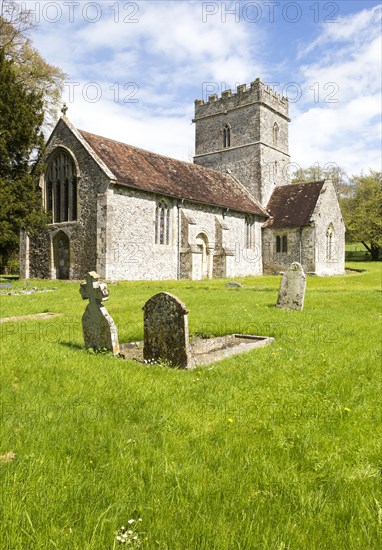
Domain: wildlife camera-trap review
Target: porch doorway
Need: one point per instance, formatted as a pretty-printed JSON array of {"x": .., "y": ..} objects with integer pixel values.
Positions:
[{"x": 61, "y": 254}]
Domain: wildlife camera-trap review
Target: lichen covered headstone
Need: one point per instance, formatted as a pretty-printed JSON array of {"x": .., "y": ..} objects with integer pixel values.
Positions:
[
  {"x": 166, "y": 331},
  {"x": 292, "y": 288},
  {"x": 98, "y": 327}
]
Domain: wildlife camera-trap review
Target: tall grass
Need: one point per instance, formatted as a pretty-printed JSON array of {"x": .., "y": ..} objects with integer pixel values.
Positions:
[{"x": 278, "y": 448}]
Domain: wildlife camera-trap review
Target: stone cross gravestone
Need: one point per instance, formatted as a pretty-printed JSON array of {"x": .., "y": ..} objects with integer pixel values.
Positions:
[
  {"x": 166, "y": 331},
  {"x": 292, "y": 288},
  {"x": 98, "y": 327}
]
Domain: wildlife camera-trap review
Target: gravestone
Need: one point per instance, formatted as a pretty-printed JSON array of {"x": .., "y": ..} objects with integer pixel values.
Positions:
[
  {"x": 292, "y": 288},
  {"x": 98, "y": 326},
  {"x": 166, "y": 331},
  {"x": 234, "y": 284}
]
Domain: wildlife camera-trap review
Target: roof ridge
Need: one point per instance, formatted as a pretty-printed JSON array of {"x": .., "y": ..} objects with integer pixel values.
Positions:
[
  {"x": 139, "y": 148},
  {"x": 172, "y": 177},
  {"x": 305, "y": 182}
]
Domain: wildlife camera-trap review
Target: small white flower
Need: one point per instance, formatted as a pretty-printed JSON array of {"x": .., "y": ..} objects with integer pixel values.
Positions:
[
  {"x": 130, "y": 521},
  {"x": 139, "y": 519}
]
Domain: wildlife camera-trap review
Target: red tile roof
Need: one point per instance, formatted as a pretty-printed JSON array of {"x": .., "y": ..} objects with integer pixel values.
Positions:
[
  {"x": 158, "y": 174},
  {"x": 293, "y": 205}
]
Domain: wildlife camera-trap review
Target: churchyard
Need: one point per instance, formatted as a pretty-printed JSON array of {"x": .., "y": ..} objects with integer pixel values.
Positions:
[{"x": 278, "y": 448}]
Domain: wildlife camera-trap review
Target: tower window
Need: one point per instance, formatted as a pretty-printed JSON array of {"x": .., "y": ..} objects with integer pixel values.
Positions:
[
  {"x": 275, "y": 134},
  {"x": 226, "y": 136},
  {"x": 61, "y": 188},
  {"x": 162, "y": 223}
]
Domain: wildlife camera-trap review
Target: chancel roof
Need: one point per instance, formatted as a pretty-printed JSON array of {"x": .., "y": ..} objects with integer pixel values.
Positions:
[
  {"x": 158, "y": 174},
  {"x": 293, "y": 205}
]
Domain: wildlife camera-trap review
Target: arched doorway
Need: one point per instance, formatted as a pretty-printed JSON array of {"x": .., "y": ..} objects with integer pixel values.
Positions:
[
  {"x": 202, "y": 270},
  {"x": 61, "y": 255}
]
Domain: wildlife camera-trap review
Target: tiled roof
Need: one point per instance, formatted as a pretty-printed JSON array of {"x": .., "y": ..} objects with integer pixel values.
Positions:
[
  {"x": 293, "y": 205},
  {"x": 158, "y": 174}
]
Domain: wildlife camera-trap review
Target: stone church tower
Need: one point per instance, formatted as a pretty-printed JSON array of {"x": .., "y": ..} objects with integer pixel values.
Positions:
[{"x": 245, "y": 133}]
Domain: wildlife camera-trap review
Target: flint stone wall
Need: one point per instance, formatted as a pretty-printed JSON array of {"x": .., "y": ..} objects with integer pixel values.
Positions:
[
  {"x": 301, "y": 248},
  {"x": 328, "y": 212},
  {"x": 128, "y": 249},
  {"x": 83, "y": 232}
]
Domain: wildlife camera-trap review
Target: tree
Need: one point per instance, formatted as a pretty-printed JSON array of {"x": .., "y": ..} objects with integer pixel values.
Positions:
[
  {"x": 31, "y": 70},
  {"x": 363, "y": 211},
  {"x": 21, "y": 146},
  {"x": 316, "y": 173}
]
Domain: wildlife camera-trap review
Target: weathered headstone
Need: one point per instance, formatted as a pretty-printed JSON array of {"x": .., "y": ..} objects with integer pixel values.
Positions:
[
  {"x": 292, "y": 288},
  {"x": 98, "y": 326},
  {"x": 166, "y": 331}
]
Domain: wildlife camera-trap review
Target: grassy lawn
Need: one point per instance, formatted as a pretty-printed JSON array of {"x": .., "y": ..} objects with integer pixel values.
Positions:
[
  {"x": 356, "y": 252},
  {"x": 275, "y": 449}
]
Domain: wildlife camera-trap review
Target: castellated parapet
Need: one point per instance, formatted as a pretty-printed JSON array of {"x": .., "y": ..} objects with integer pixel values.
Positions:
[
  {"x": 246, "y": 134},
  {"x": 257, "y": 92}
]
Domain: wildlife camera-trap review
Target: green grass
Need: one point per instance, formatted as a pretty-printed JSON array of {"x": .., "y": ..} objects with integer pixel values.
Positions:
[
  {"x": 356, "y": 252},
  {"x": 275, "y": 449}
]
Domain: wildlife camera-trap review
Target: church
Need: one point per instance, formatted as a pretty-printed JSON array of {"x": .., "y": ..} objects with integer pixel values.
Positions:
[{"x": 131, "y": 214}]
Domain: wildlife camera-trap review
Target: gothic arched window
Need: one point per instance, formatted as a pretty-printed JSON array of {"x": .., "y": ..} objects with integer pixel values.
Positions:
[
  {"x": 249, "y": 240},
  {"x": 278, "y": 243},
  {"x": 226, "y": 136},
  {"x": 330, "y": 243},
  {"x": 285, "y": 244},
  {"x": 275, "y": 134},
  {"x": 282, "y": 244},
  {"x": 162, "y": 223},
  {"x": 61, "y": 188}
]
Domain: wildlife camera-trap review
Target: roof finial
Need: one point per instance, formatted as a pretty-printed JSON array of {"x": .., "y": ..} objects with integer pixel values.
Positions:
[{"x": 64, "y": 109}]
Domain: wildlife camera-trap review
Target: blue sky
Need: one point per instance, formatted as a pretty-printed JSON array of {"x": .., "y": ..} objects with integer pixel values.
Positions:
[{"x": 135, "y": 68}]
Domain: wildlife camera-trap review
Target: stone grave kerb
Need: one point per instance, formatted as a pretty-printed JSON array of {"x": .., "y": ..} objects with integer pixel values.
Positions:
[
  {"x": 166, "y": 334},
  {"x": 98, "y": 327}
]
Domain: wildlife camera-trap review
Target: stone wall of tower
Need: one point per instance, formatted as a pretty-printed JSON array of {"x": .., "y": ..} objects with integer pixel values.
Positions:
[{"x": 252, "y": 156}]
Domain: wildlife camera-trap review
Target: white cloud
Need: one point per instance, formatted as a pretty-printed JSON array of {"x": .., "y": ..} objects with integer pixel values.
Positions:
[
  {"x": 354, "y": 29},
  {"x": 170, "y": 54},
  {"x": 170, "y": 136},
  {"x": 338, "y": 118}
]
